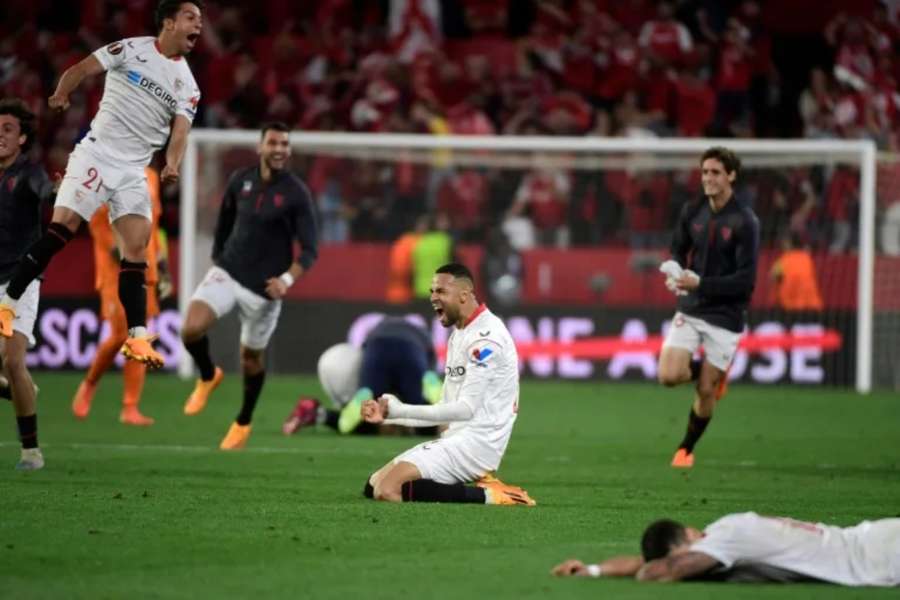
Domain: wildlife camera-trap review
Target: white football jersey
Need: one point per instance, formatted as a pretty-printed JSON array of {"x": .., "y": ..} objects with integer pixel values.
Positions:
[
  {"x": 483, "y": 371},
  {"x": 143, "y": 93},
  {"x": 866, "y": 554}
]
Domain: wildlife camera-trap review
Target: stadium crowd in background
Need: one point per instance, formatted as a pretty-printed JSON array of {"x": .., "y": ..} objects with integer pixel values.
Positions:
[{"x": 553, "y": 67}]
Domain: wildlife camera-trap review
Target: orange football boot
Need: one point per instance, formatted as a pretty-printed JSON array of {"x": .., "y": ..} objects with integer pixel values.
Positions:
[
  {"x": 7, "y": 316},
  {"x": 236, "y": 438},
  {"x": 141, "y": 350},
  {"x": 503, "y": 494},
  {"x": 683, "y": 459},
  {"x": 202, "y": 389}
]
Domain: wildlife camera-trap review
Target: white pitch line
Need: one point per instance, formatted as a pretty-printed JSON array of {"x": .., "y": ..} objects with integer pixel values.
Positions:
[{"x": 197, "y": 449}]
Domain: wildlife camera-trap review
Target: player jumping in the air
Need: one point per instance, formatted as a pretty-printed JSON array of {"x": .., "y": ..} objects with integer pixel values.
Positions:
[
  {"x": 265, "y": 210},
  {"x": 480, "y": 400},
  {"x": 106, "y": 276},
  {"x": 713, "y": 271},
  {"x": 149, "y": 94},
  {"x": 747, "y": 547}
]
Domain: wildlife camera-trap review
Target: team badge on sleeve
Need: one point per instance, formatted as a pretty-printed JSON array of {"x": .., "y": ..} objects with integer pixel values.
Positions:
[
  {"x": 482, "y": 353},
  {"x": 115, "y": 48}
]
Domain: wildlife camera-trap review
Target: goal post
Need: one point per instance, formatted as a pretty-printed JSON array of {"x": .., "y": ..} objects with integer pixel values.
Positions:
[{"x": 594, "y": 152}]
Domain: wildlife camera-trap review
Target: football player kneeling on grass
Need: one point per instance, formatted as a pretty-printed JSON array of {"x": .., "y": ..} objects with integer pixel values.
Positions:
[
  {"x": 479, "y": 403},
  {"x": 747, "y": 547}
]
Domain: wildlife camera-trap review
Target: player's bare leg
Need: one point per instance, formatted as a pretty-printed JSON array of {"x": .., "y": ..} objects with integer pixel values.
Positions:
[
  {"x": 132, "y": 235},
  {"x": 23, "y": 398},
  {"x": 62, "y": 228},
  {"x": 389, "y": 487},
  {"x": 674, "y": 366}
]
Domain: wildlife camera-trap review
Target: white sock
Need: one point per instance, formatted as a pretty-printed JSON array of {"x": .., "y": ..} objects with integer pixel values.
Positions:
[{"x": 136, "y": 332}]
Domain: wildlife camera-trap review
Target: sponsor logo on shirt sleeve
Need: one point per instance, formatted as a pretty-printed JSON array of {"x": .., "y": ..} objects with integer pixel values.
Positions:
[{"x": 483, "y": 353}]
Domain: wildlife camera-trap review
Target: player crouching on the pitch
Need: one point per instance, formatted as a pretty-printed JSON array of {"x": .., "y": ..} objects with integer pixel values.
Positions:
[
  {"x": 397, "y": 356},
  {"x": 747, "y": 547},
  {"x": 479, "y": 403}
]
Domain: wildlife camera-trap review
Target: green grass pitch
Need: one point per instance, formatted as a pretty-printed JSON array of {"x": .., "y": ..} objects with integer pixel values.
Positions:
[{"x": 161, "y": 513}]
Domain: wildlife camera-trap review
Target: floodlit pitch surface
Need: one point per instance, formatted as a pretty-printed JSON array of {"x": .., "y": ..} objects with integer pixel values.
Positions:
[{"x": 161, "y": 513}]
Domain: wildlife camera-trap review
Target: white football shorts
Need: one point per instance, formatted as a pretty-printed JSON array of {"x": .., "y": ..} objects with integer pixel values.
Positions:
[
  {"x": 258, "y": 315},
  {"x": 719, "y": 344},
  {"x": 92, "y": 178},
  {"x": 450, "y": 460},
  {"x": 26, "y": 310}
]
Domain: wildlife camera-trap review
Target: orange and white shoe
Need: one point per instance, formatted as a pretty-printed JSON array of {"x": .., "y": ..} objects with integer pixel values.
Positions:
[
  {"x": 7, "y": 316},
  {"x": 236, "y": 438},
  {"x": 503, "y": 494},
  {"x": 130, "y": 415},
  {"x": 141, "y": 350},
  {"x": 196, "y": 402},
  {"x": 84, "y": 396},
  {"x": 683, "y": 459}
]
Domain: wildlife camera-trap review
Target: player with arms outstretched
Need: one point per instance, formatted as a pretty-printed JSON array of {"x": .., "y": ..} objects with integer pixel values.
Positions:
[
  {"x": 480, "y": 401},
  {"x": 150, "y": 96},
  {"x": 748, "y": 547},
  {"x": 714, "y": 248}
]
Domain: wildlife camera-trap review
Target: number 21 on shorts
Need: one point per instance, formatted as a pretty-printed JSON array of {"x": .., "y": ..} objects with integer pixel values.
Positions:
[{"x": 93, "y": 175}]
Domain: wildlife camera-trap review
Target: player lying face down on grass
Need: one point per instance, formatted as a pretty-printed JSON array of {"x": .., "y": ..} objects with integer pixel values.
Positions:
[
  {"x": 479, "y": 403},
  {"x": 396, "y": 357},
  {"x": 748, "y": 547}
]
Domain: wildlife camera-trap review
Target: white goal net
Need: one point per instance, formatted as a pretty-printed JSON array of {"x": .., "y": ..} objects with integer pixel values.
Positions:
[{"x": 591, "y": 219}]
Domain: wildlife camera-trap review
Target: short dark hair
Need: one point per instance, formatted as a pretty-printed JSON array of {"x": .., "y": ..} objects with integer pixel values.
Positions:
[
  {"x": 19, "y": 110},
  {"x": 727, "y": 157},
  {"x": 660, "y": 537},
  {"x": 458, "y": 270},
  {"x": 273, "y": 126},
  {"x": 168, "y": 9}
]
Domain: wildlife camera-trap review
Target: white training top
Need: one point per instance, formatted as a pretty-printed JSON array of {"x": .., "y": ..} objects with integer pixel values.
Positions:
[
  {"x": 143, "y": 93},
  {"x": 866, "y": 554},
  {"x": 483, "y": 371}
]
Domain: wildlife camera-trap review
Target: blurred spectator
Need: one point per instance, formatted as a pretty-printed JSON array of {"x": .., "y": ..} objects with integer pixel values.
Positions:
[
  {"x": 543, "y": 196},
  {"x": 794, "y": 275}
]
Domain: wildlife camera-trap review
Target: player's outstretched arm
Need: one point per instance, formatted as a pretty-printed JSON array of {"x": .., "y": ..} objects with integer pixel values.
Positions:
[
  {"x": 181, "y": 126},
  {"x": 617, "y": 566},
  {"x": 677, "y": 567},
  {"x": 434, "y": 414},
  {"x": 71, "y": 79}
]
